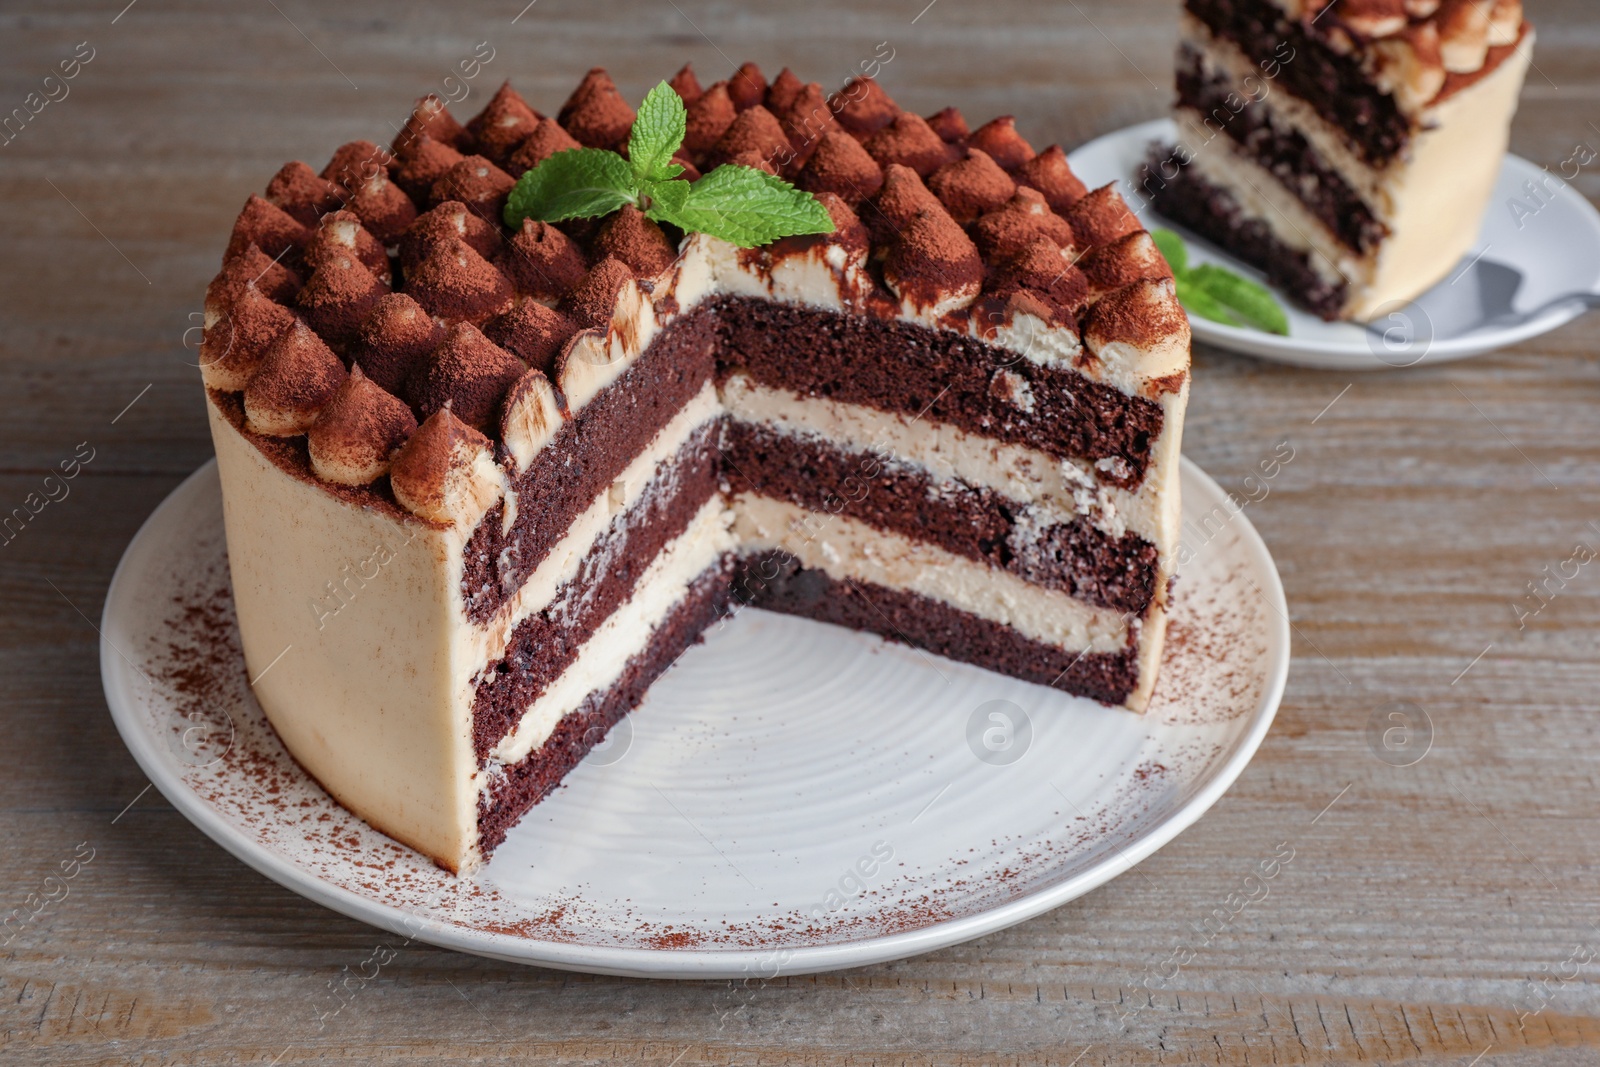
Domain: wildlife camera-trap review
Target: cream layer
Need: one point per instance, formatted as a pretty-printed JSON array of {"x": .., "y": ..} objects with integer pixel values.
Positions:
[{"x": 850, "y": 550}]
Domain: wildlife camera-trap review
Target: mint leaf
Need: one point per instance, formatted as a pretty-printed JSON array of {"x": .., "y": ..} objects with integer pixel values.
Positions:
[
  {"x": 746, "y": 207},
  {"x": 1197, "y": 301},
  {"x": 1249, "y": 302},
  {"x": 579, "y": 183},
  {"x": 1172, "y": 249},
  {"x": 665, "y": 198},
  {"x": 657, "y": 132},
  {"x": 1218, "y": 294}
]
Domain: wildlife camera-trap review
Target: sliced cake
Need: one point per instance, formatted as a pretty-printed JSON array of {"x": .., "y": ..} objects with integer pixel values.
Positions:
[
  {"x": 484, "y": 483},
  {"x": 1347, "y": 148}
]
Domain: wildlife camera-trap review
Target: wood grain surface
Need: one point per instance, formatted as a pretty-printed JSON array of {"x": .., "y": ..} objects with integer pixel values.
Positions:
[{"x": 1444, "y": 912}]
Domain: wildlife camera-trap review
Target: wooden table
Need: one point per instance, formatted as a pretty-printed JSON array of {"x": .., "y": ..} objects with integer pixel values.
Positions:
[{"x": 1437, "y": 912}]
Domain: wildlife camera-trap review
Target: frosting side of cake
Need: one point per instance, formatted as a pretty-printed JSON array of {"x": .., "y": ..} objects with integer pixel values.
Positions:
[
  {"x": 1339, "y": 148},
  {"x": 485, "y": 483},
  {"x": 349, "y": 621}
]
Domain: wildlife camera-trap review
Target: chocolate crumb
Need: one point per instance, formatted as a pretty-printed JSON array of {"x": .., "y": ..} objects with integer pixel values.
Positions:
[
  {"x": 949, "y": 124},
  {"x": 546, "y": 140},
  {"x": 477, "y": 183},
  {"x": 862, "y": 107},
  {"x": 542, "y": 261},
  {"x": 505, "y": 121},
  {"x": 534, "y": 333},
  {"x": 1101, "y": 216},
  {"x": 747, "y": 87},
  {"x": 637, "y": 241},
  {"x": 353, "y": 437},
  {"x": 593, "y": 302},
  {"x": 686, "y": 85},
  {"x": 300, "y": 192},
  {"x": 709, "y": 116},
  {"x": 430, "y": 160},
  {"x": 397, "y": 334}
]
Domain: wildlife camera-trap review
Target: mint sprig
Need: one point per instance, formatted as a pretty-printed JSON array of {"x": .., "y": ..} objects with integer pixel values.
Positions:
[
  {"x": 1218, "y": 294},
  {"x": 658, "y": 130},
  {"x": 747, "y": 207},
  {"x": 575, "y": 184},
  {"x": 741, "y": 205}
]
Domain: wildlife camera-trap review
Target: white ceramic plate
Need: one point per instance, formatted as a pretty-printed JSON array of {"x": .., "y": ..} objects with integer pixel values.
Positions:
[
  {"x": 791, "y": 797},
  {"x": 1556, "y": 248}
]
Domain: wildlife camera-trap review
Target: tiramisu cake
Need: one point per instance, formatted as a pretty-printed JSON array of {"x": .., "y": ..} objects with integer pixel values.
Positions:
[
  {"x": 483, "y": 483},
  {"x": 1347, "y": 148}
]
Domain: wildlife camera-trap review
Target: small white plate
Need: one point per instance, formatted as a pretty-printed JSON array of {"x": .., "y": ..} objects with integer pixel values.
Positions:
[
  {"x": 791, "y": 797},
  {"x": 1557, "y": 250}
]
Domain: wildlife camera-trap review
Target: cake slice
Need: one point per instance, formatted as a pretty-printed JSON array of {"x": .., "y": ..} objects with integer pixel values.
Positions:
[
  {"x": 1347, "y": 148},
  {"x": 484, "y": 483}
]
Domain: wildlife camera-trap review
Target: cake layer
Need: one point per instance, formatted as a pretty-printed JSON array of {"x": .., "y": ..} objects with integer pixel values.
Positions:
[
  {"x": 1136, "y": 344},
  {"x": 587, "y": 454},
  {"x": 562, "y": 672},
  {"x": 778, "y": 581},
  {"x": 518, "y": 786},
  {"x": 849, "y": 549},
  {"x": 1096, "y": 451},
  {"x": 1067, "y": 586},
  {"x": 953, "y": 378},
  {"x": 1038, "y": 544},
  {"x": 540, "y": 646}
]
